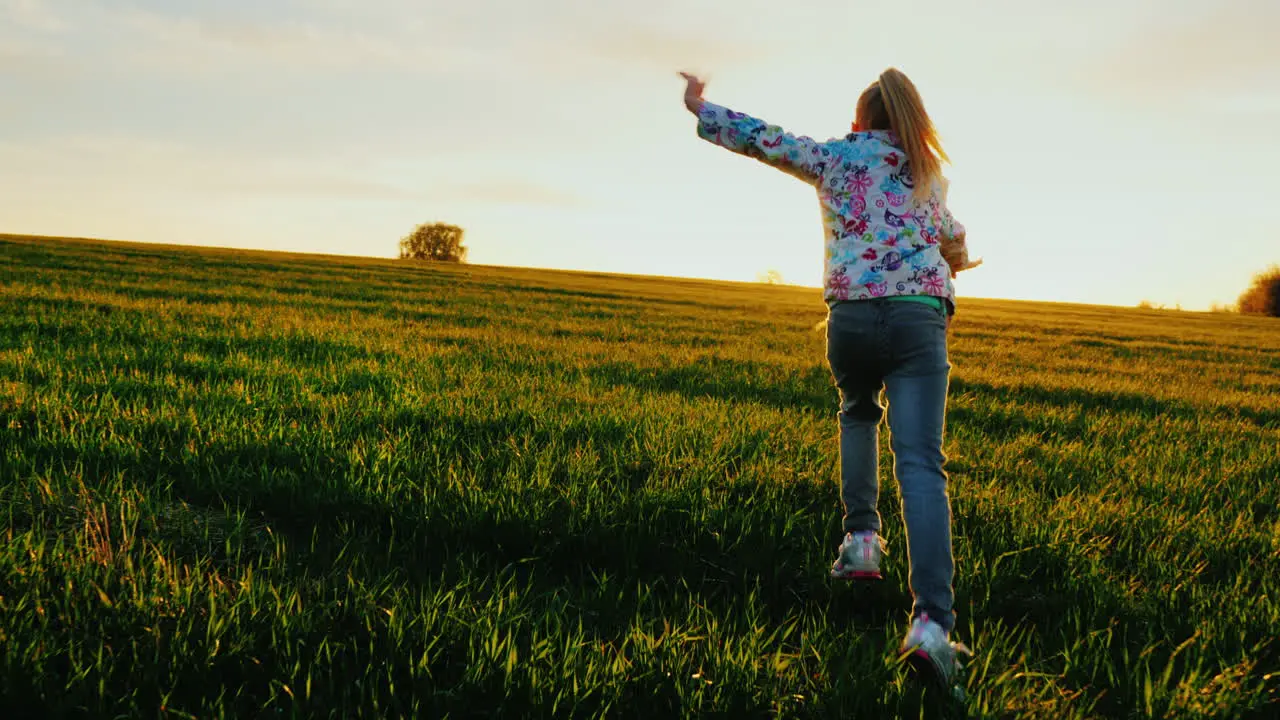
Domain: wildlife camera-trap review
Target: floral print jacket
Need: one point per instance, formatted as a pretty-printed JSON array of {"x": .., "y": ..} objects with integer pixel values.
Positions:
[{"x": 879, "y": 241}]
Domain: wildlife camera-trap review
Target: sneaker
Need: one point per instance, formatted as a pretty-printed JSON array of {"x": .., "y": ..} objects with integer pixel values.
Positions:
[
  {"x": 859, "y": 557},
  {"x": 931, "y": 654}
]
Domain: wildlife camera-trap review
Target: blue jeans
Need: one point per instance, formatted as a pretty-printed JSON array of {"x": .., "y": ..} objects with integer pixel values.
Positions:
[{"x": 900, "y": 347}]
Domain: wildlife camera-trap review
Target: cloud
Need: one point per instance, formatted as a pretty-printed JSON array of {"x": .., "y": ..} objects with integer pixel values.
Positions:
[
  {"x": 300, "y": 183},
  {"x": 580, "y": 38},
  {"x": 25, "y": 26},
  {"x": 666, "y": 50},
  {"x": 236, "y": 37},
  {"x": 1226, "y": 50},
  {"x": 16, "y": 54},
  {"x": 208, "y": 43},
  {"x": 30, "y": 15},
  {"x": 166, "y": 166},
  {"x": 509, "y": 192}
]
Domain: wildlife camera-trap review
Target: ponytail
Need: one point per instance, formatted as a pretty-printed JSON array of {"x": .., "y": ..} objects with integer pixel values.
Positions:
[{"x": 914, "y": 129}]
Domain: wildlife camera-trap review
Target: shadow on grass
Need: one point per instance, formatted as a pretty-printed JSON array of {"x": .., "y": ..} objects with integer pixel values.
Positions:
[
  {"x": 813, "y": 391},
  {"x": 627, "y": 525},
  {"x": 727, "y": 380},
  {"x": 558, "y": 542},
  {"x": 1094, "y": 401}
]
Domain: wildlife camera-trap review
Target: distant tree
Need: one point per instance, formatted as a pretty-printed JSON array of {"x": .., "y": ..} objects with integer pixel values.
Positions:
[
  {"x": 1263, "y": 296},
  {"x": 439, "y": 242},
  {"x": 770, "y": 277}
]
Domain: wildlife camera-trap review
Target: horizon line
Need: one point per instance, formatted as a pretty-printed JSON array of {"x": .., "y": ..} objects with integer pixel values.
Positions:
[{"x": 575, "y": 271}]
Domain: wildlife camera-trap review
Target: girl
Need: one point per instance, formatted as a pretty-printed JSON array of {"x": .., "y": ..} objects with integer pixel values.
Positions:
[{"x": 892, "y": 248}]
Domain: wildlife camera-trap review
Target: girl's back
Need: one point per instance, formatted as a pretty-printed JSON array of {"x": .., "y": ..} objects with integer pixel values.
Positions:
[{"x": 883, "y": 234}]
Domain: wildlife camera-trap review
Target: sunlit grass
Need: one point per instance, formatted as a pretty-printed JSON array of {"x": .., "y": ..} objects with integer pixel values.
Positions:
[{"x": 239, "y": 483}]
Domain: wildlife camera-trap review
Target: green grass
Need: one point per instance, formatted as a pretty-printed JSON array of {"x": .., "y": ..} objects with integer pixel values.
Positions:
[{"x": 243, "y": 484}]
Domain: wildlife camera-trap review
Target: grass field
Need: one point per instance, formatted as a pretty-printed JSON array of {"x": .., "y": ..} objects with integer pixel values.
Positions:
[{"x": 244, "y": 484}]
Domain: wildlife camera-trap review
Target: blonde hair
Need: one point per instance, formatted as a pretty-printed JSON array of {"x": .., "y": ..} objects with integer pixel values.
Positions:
[{"x": 893, "y": 103}]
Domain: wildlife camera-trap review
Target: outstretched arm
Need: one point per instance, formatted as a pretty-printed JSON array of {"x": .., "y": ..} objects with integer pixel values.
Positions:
[{"x": 799, "y": 156}]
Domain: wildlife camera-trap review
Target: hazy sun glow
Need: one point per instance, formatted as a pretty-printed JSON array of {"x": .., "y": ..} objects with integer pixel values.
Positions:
[{"x": 1104, "y": 152}]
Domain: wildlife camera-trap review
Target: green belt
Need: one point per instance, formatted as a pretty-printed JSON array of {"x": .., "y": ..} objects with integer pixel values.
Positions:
[{"x": 930, "y": 300}]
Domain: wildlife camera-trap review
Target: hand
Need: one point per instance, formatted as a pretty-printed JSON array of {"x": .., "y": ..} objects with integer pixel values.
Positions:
[
  {"x": 693, "y": 92},
  {"x": 967, "y": 266}
]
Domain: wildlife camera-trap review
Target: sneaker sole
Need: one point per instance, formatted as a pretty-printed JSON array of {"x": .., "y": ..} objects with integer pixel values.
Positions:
[
  {"x": 856, "y": 575},
  {"x": 924, "y": 668}
]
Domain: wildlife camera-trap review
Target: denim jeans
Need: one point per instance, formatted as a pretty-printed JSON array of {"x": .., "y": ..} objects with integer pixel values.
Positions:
[{"x": 900, "y": 347}]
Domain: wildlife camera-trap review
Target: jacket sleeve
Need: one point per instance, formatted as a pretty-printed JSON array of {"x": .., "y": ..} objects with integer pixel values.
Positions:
[
  {"x": 951, "y": 228},
  {"x": 800, "y": 157},
  {"x": 952, "y": 234}
]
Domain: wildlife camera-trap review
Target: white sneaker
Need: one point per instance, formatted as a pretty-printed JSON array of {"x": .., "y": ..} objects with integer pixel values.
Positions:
[
  {"x": 930, "y": 653},
  {"x": 859, "y": 557}
]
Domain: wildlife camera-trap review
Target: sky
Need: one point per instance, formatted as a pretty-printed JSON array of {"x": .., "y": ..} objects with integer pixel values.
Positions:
[{"x": 1104, "y": 151}]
